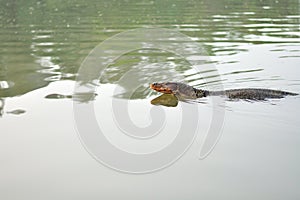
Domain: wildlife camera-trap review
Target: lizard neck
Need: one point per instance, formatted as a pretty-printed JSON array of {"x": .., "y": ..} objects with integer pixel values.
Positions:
[{"x": 201, "y": 93}]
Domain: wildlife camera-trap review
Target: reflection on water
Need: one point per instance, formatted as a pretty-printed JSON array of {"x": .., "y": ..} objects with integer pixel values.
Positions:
[
  {"x": 13, "y": 112},
  {"x": 142, "y": 67},
  {"x": 16, "y": 112},
  {"x": 251, "y": 44},
  {"x": 47, "y": 42},
  {"x": 58, "y": 96},
  {"x": 1, "y": 107},
  {"x": 168, "y": 100}
]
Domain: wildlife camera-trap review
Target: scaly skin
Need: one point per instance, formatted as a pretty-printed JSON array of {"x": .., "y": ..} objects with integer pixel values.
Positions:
[{"x": 185, "y": 91}]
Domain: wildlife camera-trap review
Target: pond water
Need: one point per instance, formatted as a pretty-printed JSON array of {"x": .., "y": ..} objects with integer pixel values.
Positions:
[{"x": 67, "y": 67}]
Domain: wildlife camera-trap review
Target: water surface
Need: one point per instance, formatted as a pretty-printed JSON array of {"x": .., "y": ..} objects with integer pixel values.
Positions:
[{"x": 248, "y": 43}]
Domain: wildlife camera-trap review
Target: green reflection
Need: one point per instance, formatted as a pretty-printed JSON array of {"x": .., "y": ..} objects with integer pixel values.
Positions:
[
  {"x": 168, "y": 100},
  {"x": 45, "y": 41}
]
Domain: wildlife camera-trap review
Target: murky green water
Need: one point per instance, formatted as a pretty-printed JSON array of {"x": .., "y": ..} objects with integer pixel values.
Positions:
[{"x": 248, "y": 43}]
